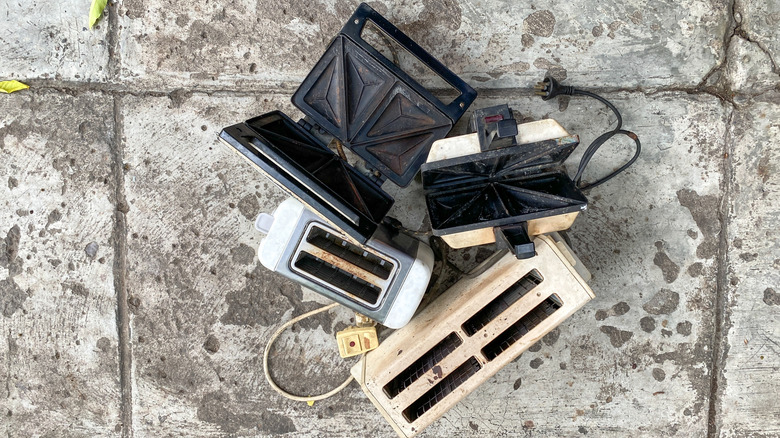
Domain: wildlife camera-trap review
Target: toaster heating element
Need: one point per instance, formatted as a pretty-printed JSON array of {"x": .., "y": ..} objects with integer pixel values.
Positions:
[
  {"x": 470, "y": 332},
  {"x": 385, "y": 278}
]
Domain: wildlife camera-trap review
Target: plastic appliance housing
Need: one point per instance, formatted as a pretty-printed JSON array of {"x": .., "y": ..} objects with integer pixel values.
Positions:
[
  {"x": 385, "y": 278},
  {"x": 470, "y": 333}
]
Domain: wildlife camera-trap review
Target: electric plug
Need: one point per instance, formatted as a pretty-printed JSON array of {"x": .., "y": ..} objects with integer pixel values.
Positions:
[
  {"x": 356, "y": 340},
  {"x": 550, "y": 88}
]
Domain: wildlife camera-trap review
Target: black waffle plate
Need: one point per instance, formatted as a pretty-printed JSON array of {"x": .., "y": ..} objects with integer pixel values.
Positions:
[{"x": 373, "y": 106}]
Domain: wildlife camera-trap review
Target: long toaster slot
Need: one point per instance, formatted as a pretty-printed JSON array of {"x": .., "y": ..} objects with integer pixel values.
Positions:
[
  {"x": 427, "y": 361},
  {"x": 342, "y": 266},
  {"x": 522, "y": 327},
  {"x": 441, "y": 390},
  {"x": 502, "y": 302},
  {"x": 350, "y": 252},
  {"x": 337, "y": 277}
]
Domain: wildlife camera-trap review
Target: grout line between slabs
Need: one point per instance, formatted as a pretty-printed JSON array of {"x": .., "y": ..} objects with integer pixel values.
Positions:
[
  {"x": 120, "y": 231},
  {"x": 138, "y": 90},
  {"x": 119, "y": 238},
  {"x": 114, "y": 54},
  {"x": 720, "y": 345}
]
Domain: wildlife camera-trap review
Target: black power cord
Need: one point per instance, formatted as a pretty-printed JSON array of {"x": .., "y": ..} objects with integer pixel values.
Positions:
[{"x": 550, "y": 88}]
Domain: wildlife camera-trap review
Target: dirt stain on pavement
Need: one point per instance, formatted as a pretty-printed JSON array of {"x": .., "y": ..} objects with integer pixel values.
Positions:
[
  {"x": 647, "y": 323},
  {"x": 540, "y": 23},
  {"x": 618, "y": 309},
  {"x": 617, "y": 337},
  {"x": 771, "y": 298},
  {"x": 669, "y": 268},
  {"x": 11, "y": 297},
  {"x": 264, "y": 300},
  {"x": 662, "y": 303},
  {"x": 217, "y": 408},
  {"x": 704, "y": 210},
  {"x": 243, "y": 254},
  {"x": 9, "y": 251}
]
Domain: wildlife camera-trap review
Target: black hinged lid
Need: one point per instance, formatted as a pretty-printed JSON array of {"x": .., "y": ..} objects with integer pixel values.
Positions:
[
  {"x": 306, "y": 168},
  {"x": 372, "y": 105}
]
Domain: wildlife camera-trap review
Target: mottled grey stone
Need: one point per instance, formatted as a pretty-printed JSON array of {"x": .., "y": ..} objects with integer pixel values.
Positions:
[
  {"x": 749, "y": 68},
  {"x": 760, "y": 22},
  {"x": 52, "y": 40},
  {"x": 55, "y": 381},
  {"x": 749, "y": 387}
]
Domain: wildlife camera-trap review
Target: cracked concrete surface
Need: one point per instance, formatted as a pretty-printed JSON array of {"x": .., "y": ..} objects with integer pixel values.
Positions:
[{"x": 131, "y": 303}]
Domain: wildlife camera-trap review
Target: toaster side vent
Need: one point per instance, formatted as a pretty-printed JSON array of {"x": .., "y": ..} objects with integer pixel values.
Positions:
[
  {"x": 441, "y": 390},
  {"x": 352, "y": 253},
  {"x": 337, "y": 277},
  {"x": 502, "y": 302},
  {"x": 427, "y": 361},
  {"x": 522, "y": 327}
]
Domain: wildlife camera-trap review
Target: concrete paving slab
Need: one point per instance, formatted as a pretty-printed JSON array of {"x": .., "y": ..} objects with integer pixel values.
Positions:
[
  {"x": 750, "y": 68},
  {"x": 636, "y": 360},
  {"x": 52, "y": 40},
  {"x": 58, "y": 354},
  {"x": 750, "y": 389},
  {"x": 489, "y": 43}
]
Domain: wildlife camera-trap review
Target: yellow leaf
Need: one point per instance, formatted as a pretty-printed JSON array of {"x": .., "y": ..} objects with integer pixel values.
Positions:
[
  {"x": 11, "y": 86},
  {"x": 96, "y": 11},
  {"x": 310, "y": 402}
]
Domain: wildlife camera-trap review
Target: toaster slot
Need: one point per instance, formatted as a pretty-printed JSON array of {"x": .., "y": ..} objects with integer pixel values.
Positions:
[
  {"x": 524, "y": 325},
  {"x": 337, "y": 277},
  {"x": 414, "y": 371},
  {"x": 436, "y": 394},
  {"x": 349, "y": 252},
  {"x": 502, "y": 302}
]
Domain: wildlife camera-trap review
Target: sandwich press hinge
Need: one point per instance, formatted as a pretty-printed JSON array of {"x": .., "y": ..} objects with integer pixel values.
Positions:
[
  {"x": 495, "y": 127},
  {"x": 315, "y": 130}
]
